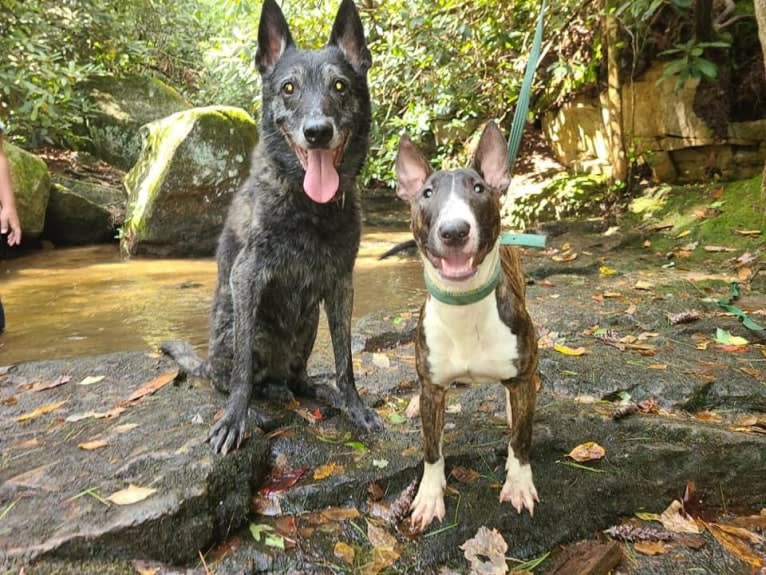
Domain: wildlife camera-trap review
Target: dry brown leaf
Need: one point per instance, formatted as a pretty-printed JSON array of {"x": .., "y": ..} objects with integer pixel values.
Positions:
[
  {"x": 644, "y": 285},
  {"x": 42, "y": 410},
  {"x": 332, "y": 514},
  {"x": 465, "y": 475},
  {"x": 345, "y": 552},
  {"x": 657, "y": 366},
  {"x": 565, "y": 257},
  {"x": 740, "y": 532},
  {"x": 717, "y": 249},
  {"x": 651, "y": 547},
  {"x": 748, "y": 233},
  {"x": 151, "y": 386},
  {"x": 381, "y": 360},
  {"x": 589, "y": 451},
  {"x": 379, "y": 537},
  {"x": 91, "y": 379},
  {"x": 735, "y": 545},
  {"x": 486, "y": 552},
  {"x": 94, "y": 444},
  {"x": 42, "y": 386},
  {"x": 744, "y": 274},
  {"x": 131, "y": 494},
  {"x": 326, "y": 470},
  {"x": 114, "y": 412},
  {"x": 673, "y": 519},
  {"x": 707, "y": 416},
  {"x": 381, "y": 559}
]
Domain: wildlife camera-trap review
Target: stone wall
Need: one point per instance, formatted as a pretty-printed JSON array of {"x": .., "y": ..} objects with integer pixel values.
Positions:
[{"x": 670, "y": 136}]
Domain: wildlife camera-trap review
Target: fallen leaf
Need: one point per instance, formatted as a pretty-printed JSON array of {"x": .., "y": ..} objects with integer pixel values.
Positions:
[
  {"x": 94, "y": 444},
  {"x": 631, "y": 309},
  {"x": 566, "y": 350},
  {"x": 748, "y": 233},
  {"x": 281, "y": 479},
  {"x": 675, "y": 520},
  {"x": 380, "y": 463},
  {"x": 607, "y": 271},
  {"x": 382, "y": 558},
  {"x": 124, "y": 428},
  {"x": 397, "y": 418},
  {"x": 464, "y": 475},
  {"x": 611, "y": 294},
  {"x": 379, "y": 537},
  {"x": 131, "y": 494},
  {"x": 644, "y": 285},
  {"x": 723, "y": 337},
  {"x": 651, "y": 547},
  {"x": 657, "y": 366},
  {"x": 565, "y": 257},
  {"x": 8, "y": 401},
  {"x": 454, "y": 408},
  {"x": 91, "y": 379},
  {"x": 376, "y": 491},
  {"x": 735, "y": 545},
  {"x": 144, "y": 567},
  {"x": 683, "y": 234},
  {"x": 339, "y": 513},
  {"x": 486, "y": 552},
  {"x": 345, "y": 552},
  {"x": 744, "y": 274},
  {"x": 589, "y": 451},
  {"x": 718, "y": 249},
  {"x": 326, "y": 470},
  {"x": 42, "y": 386},
  {"x": 151, "y": 386},
  {"x": 707, "y": 416},
  {"x": 644, "y": 516},
  {"x": 42, "y": 410}
]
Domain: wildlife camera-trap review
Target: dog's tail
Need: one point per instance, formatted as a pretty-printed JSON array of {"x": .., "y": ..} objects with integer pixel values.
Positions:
[
  {"x": 409, "y": 244},
  {"x": 183, "y": 353}
]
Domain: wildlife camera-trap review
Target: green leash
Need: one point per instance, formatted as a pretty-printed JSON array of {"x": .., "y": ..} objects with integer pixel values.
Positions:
[
  {"x": 517, "y": 129},
  {"x": 744, "y": 318}
]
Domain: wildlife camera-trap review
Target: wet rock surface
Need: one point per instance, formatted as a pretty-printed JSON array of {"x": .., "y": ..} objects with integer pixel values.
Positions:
[{"x": 311, "y": 478}]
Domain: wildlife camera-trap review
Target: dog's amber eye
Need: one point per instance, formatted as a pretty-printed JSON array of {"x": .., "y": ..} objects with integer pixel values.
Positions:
[
  {"x": 478, "y": 188},
  {"x": 288, "y": 88},
  {"x": 428, "y": 192},
  {"x": 340, "y": 86}
]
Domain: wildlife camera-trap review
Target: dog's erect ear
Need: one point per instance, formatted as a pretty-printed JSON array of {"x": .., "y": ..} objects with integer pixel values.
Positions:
[
  {"x": 348, "y": 35},
  {"x": 491, "y": 158},
  {"x": 412, "y": 169},
  {"x": 273, "y": 37}
]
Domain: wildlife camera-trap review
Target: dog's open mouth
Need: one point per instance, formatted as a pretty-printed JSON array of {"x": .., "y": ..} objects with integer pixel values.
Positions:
[
  {"x": 321, "y": 181},
  {"x": 453, "y": 266}
]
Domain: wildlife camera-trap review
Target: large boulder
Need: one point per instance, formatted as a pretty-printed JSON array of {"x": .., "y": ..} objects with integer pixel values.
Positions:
[
  {"x": 83, "y": 212},
  {"x": 181, "y": 186},
  {"x": 124, "y": 105},
  {"x": 31, "y": 185}
]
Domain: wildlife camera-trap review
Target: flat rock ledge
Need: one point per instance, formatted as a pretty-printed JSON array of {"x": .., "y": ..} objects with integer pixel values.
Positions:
[{"x": 55, "y": 516}]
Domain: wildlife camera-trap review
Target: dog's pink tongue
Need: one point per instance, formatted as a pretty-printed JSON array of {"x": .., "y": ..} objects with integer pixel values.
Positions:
[
  {"x": 457, "y": 266},
  {"x": 321, "y": 180}
]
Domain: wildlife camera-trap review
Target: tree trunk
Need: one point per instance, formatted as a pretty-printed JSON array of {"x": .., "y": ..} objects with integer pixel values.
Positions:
[
  {"x": 703, "y": 20},
  {"x": 760, "y": 16},
  {"x": 614, "y": 122}
]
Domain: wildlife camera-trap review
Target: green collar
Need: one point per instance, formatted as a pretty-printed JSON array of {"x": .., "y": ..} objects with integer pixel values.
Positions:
[{"x": 466, "y": 297}]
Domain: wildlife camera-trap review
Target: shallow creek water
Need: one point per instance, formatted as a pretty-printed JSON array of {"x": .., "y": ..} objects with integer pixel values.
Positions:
[{"x": 83, "y": 301}]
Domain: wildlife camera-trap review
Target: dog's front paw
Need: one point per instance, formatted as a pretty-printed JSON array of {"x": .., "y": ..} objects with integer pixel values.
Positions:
[
  {"x": 519, "y": 489},
  {"x": 228, "y": 432},
  {"x": 366, "y": 418},
  {"x": 429, "y": 502}
]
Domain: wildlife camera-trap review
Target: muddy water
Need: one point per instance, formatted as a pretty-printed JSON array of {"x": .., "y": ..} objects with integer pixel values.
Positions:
[{"x": 82, "y": 301}]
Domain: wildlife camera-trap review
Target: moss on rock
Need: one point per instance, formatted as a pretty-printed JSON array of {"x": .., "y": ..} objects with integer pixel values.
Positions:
[
  {"x": 31, "y": 185},
  {"x": 124, "y": 105},
  {"x": 181, "y": 186}
]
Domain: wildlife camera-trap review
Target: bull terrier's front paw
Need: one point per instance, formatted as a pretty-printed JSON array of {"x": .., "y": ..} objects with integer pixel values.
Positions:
[
  {"x": 429, "y": 502},
  {"x": 519, "y": 489},
  {"x": 228, "y": 432}
]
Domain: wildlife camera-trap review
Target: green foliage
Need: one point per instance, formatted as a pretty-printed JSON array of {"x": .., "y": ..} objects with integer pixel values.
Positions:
[
  {"x": 565, "y": 196},
  {"x": 689, "y": 62}
]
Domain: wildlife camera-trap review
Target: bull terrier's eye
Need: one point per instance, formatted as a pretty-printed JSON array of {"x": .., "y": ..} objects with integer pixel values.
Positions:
[
  {"x": 288, "y": 88},
  {"x": 428, "y": 192},
  {"x": 340, "y": 86},
  {"x": 478, "y": 188}
]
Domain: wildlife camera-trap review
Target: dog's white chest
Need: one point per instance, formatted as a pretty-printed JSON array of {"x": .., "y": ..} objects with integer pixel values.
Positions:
[{"x": 468, "y": 343}]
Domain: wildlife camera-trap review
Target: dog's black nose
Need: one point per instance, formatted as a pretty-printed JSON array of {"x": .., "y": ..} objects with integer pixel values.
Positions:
[
  {"x": 454, "y": 232},
  {"x": 318, "y": 132}
]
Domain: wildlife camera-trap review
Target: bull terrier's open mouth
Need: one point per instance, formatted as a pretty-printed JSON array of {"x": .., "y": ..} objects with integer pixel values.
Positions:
[
  {"x": 453, "y": 266},
  {"x": 321, "y": 181}
]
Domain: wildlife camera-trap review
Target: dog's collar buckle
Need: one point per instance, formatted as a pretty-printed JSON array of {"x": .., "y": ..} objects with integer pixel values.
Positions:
[{"x": 466, "y": 297}]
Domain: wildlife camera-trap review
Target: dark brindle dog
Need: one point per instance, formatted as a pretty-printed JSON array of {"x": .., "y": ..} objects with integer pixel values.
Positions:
[
  {"x": 292, "y": 232},
  {"x": 474, "y": 326}
]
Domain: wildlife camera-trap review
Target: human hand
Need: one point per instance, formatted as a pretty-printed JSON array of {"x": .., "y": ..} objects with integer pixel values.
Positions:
[{"x": 10, "y": 224}]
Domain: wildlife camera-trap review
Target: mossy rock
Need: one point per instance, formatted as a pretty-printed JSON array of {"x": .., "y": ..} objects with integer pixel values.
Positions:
[
  {"x": 123, "y": 106},
  {"x": 181, "y": 186},
  {"x": 82, "y": 212},
  {"x": 31, "y": 185}
]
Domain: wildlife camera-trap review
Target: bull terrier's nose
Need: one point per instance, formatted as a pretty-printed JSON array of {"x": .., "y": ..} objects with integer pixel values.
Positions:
[
  {"x": 454, "y": 232},
  {"x": 318, "y": 132}
]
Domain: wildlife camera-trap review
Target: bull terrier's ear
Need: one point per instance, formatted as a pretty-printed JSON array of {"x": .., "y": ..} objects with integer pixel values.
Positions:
[
  {"x": 273, "y": 37},
  {"x": 412, "y": 169},
  {"x": 348, "y": 35},
  {"x": 491, "y": 159}
]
